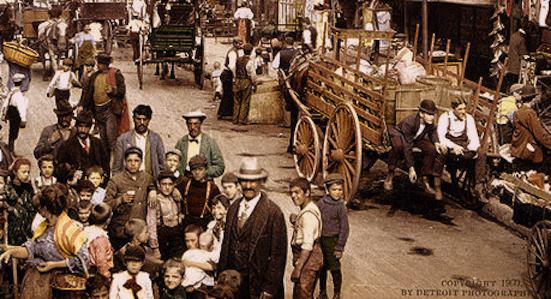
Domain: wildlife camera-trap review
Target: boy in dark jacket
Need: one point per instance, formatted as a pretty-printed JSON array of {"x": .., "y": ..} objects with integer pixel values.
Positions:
[{"x": 334, "y": 233}]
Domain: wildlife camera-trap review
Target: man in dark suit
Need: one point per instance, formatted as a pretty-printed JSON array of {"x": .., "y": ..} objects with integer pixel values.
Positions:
[
  {"x": 420, "y": 132},
  {"x": 148, "y": 141},
  {"x": 82, "y": 151},
  {"x": 54, "y": 135},
  {"x": 255, "y": 238},
  {"x": 197, "y": 142}
]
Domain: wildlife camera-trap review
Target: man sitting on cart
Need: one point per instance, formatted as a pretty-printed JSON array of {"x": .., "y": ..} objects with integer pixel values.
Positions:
[{"x": 417, "y": 131}]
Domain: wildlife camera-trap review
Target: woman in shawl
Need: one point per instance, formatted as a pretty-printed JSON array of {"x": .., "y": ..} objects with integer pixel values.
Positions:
[
  {"x": 19, "y": 194},
  {"x": 57, "y": 244}
]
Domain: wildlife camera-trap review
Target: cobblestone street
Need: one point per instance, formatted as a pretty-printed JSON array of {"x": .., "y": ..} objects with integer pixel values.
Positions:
[{"x": 392, "y": 252}]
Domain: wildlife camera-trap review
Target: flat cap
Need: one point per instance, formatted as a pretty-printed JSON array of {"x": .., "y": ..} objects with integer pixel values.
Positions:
[
  {"x": 134, "y": 253},
  {"x": 133, "y": 150},
  {"x": 333, "y": 178},
  {"x": 230, "y": 177},
  {"x": 174, "y": 151},
  {"x": 197, "y": 161}
]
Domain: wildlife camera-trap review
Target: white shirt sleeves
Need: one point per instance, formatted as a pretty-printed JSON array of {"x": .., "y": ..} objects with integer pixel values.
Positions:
[
  {"x": 276, "y": 62},
  {"x": 472, "y": 133},
  {"x": 442, "y": 129},
  {"x": 21, "y": 102}
]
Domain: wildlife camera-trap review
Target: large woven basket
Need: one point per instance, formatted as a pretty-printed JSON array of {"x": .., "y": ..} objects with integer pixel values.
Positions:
[{"x": 19, "y": 54}]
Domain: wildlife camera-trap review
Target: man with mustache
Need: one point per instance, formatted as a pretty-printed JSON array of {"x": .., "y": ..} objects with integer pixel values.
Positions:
[
  {"x": 255, "y": 237},
  {"x": 54, "y": 135},
  {"x": 82, "y": 150},
  {"x": 195, "y": 143},
  {"x": 142, "y": 137}
]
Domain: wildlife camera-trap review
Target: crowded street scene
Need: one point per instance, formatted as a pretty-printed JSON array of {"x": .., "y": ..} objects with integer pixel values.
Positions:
[{"x": 239, "y": 149}]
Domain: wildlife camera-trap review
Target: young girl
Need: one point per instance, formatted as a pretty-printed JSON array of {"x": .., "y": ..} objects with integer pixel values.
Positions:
[
  {"x": 220, "y": 206},
  {"x": 173, "y": 276},
  {"x": 216, "y": 82},
  {"x": 61, "y": 84},
  {"x": 132, "y": 283},
  {"x": 334, "y": 232},
  {"x": 99, "y": 247},
  {"x": 46, "y": 165},
  {"x": 19, "y": 194}
]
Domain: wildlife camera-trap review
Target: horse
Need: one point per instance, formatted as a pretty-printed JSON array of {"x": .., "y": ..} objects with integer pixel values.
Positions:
[{"x": 52, "y": 39}]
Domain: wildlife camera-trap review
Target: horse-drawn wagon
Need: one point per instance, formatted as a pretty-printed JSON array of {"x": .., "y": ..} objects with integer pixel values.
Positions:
[
  {"x": 343, "y": 125},
  {"x": 178, "y": 40}
]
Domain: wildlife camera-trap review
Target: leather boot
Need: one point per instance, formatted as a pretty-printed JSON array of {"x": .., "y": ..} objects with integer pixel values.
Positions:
[
  {"x": 322, "y": 295},
  {"x": 388, "y": 183},
  {"x": 437, "y": 188},
  {"x": 426, "y": 185},
  {"x": 337, "y": 296}
]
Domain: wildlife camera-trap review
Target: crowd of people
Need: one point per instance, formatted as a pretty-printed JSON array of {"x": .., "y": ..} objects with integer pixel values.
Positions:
[{"x": 113, "y": 214}]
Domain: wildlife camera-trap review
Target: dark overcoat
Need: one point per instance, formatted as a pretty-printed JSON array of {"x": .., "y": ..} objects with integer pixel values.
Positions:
[{"x": 264, "y": 237}]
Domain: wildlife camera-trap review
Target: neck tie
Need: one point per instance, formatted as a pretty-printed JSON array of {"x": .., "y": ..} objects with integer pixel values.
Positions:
[
  {"x": 244, "y": 216},
  {"x": 194, "y": 140},
  {"x": 86, "y": 147}
]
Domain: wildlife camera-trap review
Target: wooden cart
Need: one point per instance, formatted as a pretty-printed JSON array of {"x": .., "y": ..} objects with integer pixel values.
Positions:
[
  {"x": 180, "y": 41},
  {"x": 342, "y": 126},
  {"x": 106, "y": 13},
  {"x": 538, "y": 239}
]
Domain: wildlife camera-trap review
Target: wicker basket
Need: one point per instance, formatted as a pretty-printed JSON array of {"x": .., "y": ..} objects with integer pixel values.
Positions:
[{"x": 19, "y": 54}]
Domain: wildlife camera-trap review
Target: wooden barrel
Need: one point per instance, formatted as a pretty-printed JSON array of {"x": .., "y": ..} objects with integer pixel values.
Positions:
[
  {"x": 441, "y": 86},
  {"x": 407, "y": 98}
]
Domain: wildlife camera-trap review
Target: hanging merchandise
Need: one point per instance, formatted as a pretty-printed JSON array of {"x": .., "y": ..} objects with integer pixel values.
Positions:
[
  {"x": 498, "y": 48},
  {"x": 544, "y": 11}
]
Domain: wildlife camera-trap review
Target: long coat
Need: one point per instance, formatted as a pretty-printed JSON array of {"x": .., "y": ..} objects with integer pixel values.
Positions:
[
  {"x": 264, "y": 236},
  {"x": 71, "y": 152},
  {"x": 156, "y": 152},
  {"x": 529, "y": 130},
  {"x": 209, "y": 149}
]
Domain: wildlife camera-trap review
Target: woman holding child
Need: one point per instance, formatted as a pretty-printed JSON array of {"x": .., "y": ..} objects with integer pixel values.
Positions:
[{"x": 57, "y": 245}]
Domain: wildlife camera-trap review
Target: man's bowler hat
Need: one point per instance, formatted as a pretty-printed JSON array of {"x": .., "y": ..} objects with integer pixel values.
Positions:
[{"x": 428, "y": 106}]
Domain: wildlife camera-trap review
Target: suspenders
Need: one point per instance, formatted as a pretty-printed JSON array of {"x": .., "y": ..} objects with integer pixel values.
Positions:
[{"x": 205, "y": 204}]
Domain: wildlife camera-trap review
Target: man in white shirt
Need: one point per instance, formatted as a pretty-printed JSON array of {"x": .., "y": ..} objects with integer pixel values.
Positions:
[
  {"x": 309, "y": 35},
  {"x": 459, "y": 141},
  {"x": 16, "y": 105},
  {"x": 225, "y": 110}
]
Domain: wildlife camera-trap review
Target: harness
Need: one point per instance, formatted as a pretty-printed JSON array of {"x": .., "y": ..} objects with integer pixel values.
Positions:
[
  {"x": 205, "y": 204},
  {"x": 463, "y": 139}
]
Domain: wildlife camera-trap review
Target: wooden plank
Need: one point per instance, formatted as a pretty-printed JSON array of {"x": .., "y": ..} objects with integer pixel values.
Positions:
[
  {"x": 360, "y": 87},
  {"x": 365, "y": 34},
  {"x": 526, "y": 187},
  {"x": 351, "y": 69},
  {"x": 372, "y": 105},
  {"x": 370, "y": 135},
  {"x": 337, "y": 100}
]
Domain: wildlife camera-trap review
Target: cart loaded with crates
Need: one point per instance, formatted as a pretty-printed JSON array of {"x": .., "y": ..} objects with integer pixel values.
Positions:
[
  {"x": 345, "y": 111},
  {"x": 178, "y": 40}
]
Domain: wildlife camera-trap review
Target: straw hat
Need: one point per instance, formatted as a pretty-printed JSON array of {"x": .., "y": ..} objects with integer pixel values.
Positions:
[{"x": 250, "y": 170}]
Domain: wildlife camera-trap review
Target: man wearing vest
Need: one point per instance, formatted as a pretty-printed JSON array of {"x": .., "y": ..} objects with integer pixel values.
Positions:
[
  {"x": 309, "y": 35},
  {"x": 245, "y": 78},
  {"x": 105, "y": 96},
  {"x": 227, "y": 77},
  {"x": 282, "y": 61}
]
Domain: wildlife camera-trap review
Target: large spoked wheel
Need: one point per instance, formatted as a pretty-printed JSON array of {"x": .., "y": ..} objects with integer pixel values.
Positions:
[
  {"x": 307, "y": 153},
  {"x": 199, "y": 65},
  {"x": 538, "y": 260},
  {"x": 342, "y": 148}
]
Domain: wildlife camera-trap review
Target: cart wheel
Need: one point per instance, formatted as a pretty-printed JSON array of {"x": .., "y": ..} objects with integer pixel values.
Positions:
[
  {"x": 199, "y": 65},
  {"x": 538, "y": 259},
  {"x": 306, "y": 154},
  {"x": 342, "y": 148}
]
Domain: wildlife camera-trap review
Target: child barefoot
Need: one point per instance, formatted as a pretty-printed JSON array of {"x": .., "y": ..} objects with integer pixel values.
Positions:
[
  {"x": 173, "y": 276},
  {"x": 132, "y": 283},
  {"x": 334, "y": 233}
]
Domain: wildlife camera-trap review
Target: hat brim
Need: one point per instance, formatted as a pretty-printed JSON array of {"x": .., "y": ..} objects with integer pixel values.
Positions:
[
  {"x": 427, "y": 111},
  {"x": 252, "y": 177},
  {"x": 203, "y": 117}
]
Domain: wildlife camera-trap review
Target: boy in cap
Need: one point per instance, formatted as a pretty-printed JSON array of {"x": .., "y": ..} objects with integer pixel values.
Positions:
[
  {"x": 230, "y": 187},
  {"x": 164, "y": 220},
  {"x": 418, "y": 130},
  {"x": 245, "y": 79},
  {"x": 15, "y": 107},
  {"x": 61, "y": 83},
  {"x": 198, "y": 191},
  {"x": 132, "y": 283},
  {"x": 334, "y": 233}
]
